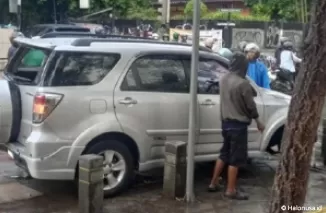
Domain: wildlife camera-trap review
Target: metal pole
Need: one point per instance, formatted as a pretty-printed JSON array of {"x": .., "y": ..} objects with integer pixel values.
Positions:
[
  {"x": 168, "y": 11},
  {"x": 54, "y": 11},
  {"x": 19, "y": 14},
  {"x": 193, "y": 103}
]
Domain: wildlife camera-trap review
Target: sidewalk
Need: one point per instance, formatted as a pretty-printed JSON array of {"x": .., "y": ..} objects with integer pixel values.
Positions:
[{"x": 257, "y": 180}]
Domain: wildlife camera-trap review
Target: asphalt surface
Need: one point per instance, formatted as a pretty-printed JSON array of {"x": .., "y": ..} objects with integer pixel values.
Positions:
[{"x": 146, "y": 195}]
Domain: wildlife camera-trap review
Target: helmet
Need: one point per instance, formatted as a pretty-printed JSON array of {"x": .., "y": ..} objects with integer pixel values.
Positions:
[
  {"x": 283, "y": 40},
  {"x": 242, "y": 45},
  {"x": 14, "y": 35},
  {"x": 252, "y": 47},
  {"x": 209, "y": 42},
  {"x": 225, "y": 53},
  {"x": 99, "y": 31},
  {"x": 288, "y": 44}
]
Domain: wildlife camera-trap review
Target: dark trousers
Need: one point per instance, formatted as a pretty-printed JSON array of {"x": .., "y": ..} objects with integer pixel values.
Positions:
[{"x": 234, "y": 151}]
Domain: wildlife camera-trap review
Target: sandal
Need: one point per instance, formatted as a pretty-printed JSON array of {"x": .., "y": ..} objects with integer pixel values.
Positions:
[
  {"x": 213, "y": 188},
  {"x": 237, "y": 196}
]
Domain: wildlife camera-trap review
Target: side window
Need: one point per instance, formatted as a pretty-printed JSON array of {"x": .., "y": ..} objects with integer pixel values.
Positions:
[
  {"x": 78, "y": 68},
  {"x": 33, "y": 58},
  {"x": 27, "y": 63},
  {"x": 156, "y": 74},
  {"x": 209, "y": 73}
]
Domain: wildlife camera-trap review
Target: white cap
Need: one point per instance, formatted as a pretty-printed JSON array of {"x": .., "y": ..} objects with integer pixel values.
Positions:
[{"x": 252, "y": 47}]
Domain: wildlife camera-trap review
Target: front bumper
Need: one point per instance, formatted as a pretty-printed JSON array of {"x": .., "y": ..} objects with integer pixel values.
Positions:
[{"x": 51, "y": 167}]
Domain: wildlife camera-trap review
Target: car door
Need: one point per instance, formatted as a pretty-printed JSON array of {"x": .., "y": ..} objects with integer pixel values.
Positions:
[
  {"x": 152, "y": 102},
  {"x": 210, "y": 140}
]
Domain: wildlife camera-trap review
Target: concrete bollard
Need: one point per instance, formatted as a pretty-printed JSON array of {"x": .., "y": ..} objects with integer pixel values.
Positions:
[
  {"x": 175, "y": 169},
  {"x": 90, "y": 189}
]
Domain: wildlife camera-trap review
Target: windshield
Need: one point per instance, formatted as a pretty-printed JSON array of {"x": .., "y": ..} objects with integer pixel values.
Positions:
[{"x": 27, "y": 65}]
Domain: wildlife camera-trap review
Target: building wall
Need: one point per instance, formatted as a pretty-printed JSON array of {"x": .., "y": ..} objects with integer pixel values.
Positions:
[
  {"x": 212, "y": 7},
  {"x": 4, "y": 42}
]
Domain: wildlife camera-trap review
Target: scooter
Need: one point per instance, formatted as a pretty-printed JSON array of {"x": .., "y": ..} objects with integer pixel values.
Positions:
[{"x": 283, "y": 82}]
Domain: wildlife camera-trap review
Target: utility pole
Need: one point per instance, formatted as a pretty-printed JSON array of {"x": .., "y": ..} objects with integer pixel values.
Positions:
[
  {"x": 192, "y": 134},
  {"x": 164, "y": 11},
  {"x": 168, "y": 12},
  {"x": 55, "y": 11},
  {"x": 19, "y": 14}
]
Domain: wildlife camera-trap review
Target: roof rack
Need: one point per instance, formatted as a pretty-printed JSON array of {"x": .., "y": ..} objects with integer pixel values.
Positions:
[
  {"x": 85, "y": 35},
  {"x": 85, "y": 42}
]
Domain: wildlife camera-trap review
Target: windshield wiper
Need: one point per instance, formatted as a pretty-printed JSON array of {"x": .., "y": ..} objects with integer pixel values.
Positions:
[
  {"x": 13, "y": 77},
  {"x": 23, "y": 79}
]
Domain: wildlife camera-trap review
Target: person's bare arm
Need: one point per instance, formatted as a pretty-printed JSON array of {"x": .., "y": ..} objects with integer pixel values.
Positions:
[{"x": 296, "y": 59}]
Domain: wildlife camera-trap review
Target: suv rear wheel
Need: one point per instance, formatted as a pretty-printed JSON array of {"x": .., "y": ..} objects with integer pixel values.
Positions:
[
  {"x": 118, "y": 165},
  {"x": 10, "y": 111}
]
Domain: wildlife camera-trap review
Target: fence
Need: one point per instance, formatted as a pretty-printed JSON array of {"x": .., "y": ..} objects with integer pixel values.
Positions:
[{"x": 265, "y": 34}]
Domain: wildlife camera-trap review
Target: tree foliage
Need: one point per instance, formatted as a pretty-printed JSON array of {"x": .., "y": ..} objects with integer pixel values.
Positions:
[
  {"x": 286, "y": 9},
  {"x": 189, "y": 8},
  {"x": 120, "y": 7}
]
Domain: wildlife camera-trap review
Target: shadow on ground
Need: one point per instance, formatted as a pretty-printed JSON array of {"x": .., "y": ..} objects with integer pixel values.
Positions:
[{"x": 145, "y": 196}]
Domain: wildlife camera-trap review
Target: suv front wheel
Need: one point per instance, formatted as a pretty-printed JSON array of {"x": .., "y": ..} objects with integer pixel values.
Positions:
[{"x": 118, "y": 165}]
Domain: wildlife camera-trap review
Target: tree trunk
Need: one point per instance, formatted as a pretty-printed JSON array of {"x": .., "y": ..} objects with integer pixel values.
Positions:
[{"x": 291, "y": 179}]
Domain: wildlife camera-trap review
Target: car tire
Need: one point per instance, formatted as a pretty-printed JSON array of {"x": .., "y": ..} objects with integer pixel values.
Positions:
[
  {"x": 123, "y": 152},
  {"x": 16, "y": 110}
]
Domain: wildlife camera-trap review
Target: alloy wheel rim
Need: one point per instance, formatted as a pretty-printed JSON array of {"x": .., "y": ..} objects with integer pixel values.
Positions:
[{"x": 114, "y": 167}]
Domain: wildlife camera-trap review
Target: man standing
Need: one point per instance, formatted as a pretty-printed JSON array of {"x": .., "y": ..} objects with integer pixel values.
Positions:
[
  {"x": 279, "y": 50},
  {"x": 237, "y": 111},
  {"x": 257, "y": 70}
]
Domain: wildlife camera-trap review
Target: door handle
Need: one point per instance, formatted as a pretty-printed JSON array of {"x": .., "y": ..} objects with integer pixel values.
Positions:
[
  {"x": 128, "y": 101},
  {"x": 208, "y": 102}
]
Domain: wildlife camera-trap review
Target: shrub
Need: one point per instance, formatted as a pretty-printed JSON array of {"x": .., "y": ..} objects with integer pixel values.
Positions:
[{"x": 235, "y": 16}]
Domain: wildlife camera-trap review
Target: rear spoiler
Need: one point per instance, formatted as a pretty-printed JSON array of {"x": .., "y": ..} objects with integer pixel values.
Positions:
[
  {"x": 83, "y": 35},
  {"x": 34, "y": 43}
]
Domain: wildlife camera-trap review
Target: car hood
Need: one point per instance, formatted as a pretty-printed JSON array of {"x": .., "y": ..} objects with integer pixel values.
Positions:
[{"x": 275, "y": 94}]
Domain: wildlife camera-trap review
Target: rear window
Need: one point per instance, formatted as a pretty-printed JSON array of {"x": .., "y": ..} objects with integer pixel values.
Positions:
[
  {"x": 27, "y": 64},
  {"x": 78, "y": 68},
  {"x": 34, "y": 31}
]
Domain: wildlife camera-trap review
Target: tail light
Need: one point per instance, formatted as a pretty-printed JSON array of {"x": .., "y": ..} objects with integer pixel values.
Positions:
[{"x": 44, "y": 104}]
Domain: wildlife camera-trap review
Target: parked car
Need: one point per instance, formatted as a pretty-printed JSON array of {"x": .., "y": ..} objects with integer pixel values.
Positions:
[
  {"x": 122, "y": 99},
  {"x": 41, "y": 29}
]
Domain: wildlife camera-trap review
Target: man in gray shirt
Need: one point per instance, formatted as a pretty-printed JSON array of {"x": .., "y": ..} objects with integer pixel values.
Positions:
[{"x": 238, "y": 108}]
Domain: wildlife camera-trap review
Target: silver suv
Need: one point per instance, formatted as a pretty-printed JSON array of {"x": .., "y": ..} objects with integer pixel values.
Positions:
[{"x": 123, "y": 99}]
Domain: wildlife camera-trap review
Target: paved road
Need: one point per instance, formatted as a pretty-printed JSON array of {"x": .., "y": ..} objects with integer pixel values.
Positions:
[{"x": 60, "y": 197}]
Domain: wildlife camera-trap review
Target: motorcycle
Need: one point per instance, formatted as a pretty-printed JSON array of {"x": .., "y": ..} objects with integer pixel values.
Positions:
[{"x": 283, "y": 82}]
